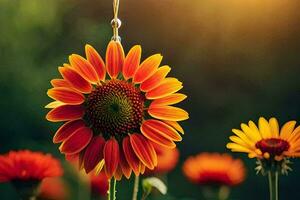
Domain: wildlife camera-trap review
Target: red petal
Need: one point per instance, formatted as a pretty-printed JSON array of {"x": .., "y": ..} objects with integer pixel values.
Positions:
[
  {"x": 60, "y": 83},
  {"x": 93, "y": 153},
  {"x": 77, "y": 141},
  {"x": 66, "y": 95},
  {"x": 84, "y": 68},
  {"x": 111, "y": 156},
  {"x": 132, "y": 61},
  {"x": 169, "y": 113},
  {"x": 160, "y": 128},
  {"x": 155, "y": 79},
  {"x": 66, "y": 130},
  {"x": 75, "y": 79},
  {"x": 97, "y": 62},
  {"x": 167, "y": 86},
  {"x": 132, "y": 160},
  {"x": 144, "y": 150},
  {"x": 124, "y": 165},
  {"x": 65, "y": 113},
  {"x": 175, "y": 125},
  {"x": 168, "y": 100},
  {"x": 147, "y": 68},
  {"x": 118, "y": 174},
  {"x": 157, "y": 138},
  {"x": 114, "y": 58}
]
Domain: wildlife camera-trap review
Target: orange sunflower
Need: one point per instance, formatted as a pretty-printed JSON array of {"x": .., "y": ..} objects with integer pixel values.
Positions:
[
  {"x": 25, "y": 165},
  {"x": 267, "y": 142},
  {"x": 113, "y": 110},
  {"x": 214, "y": 169}
]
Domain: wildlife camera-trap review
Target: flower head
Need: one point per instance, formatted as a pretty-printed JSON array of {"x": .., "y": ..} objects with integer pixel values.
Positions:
[
  {"x": 26, "y": 165},
  {"x": 114, "y": 111},
  {"x": 214, "y": 169},
  {"x": 267, "y": 142}
]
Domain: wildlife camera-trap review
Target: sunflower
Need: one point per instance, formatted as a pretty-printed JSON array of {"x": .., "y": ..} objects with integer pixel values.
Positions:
[
  {"x": 26, "y": 169},
  {"x": 267, "y": 142},
  {"x": 214, "y": 169},
  {"x": 113, "y": 111}
]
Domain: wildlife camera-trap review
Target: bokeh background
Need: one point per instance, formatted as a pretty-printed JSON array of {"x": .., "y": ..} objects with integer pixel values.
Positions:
[{"x": 238, "y": 60}]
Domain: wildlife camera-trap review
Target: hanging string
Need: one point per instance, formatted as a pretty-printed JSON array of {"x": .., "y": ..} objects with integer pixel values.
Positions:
[{"x": 116, "y": 22}]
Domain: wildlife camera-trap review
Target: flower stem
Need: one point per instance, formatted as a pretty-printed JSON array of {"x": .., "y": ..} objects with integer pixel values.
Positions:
[
  {"x": 135, "y": 188},
  {"x": 113, "y": 189},
  {"x": 273, "y": 184},
  {"x": 108, "y": 191}
]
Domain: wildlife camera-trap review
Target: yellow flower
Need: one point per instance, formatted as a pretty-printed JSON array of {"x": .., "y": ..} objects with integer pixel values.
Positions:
[{"x": 267, "y": 142}]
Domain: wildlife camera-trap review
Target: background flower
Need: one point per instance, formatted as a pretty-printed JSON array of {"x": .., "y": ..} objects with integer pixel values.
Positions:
[{"x": 214, "y": 169}]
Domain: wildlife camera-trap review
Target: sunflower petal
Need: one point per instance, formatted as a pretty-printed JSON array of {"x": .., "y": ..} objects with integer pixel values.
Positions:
[
  {"x": 287, "y": 129},
  {"x": 114, "y": 58},
  {"x": 132, "y": 160},
  {"x": 237, "y": 148},
  {"x": 160, "y": 128},
  {"x": 84, "y": 68},
  {"x": 77, "y": 141},
  {"x": 74, "y": 79},
  {"x": 65, "y": 113},
  {"x": 66, "y": 95},
  {"x": 170, "y": 113},
  {"x": 93, "y": 153},
  {"x": 253, "y": 136},
  {"x": 96, "y": 61},
  {"x": 147, "y": 68},
  {"x": 132, "y": 61},
  {"x": 274, "y": 127},
  {"x": 124, "y": 165},
  {"x": 111, "y": 156},
  {"x": 66, "y": 130},
  {"x": 167, "y": 87},
  {"x": 175, "y": 125},
  {"x": 264, "y": 128},
  {"x": 54, "y": 104},
  {"x": 143, "y": 150},
  {"x": 60, "y": 83},
  {"x": 155, "y": 79},
  {"x": 168, "y": 100}
]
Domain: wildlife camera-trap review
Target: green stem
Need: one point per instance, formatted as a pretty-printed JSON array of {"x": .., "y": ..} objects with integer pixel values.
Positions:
[
  {"x": 135, "y": 188},
  {"x": 273, "y": 184},
  {"x": 108, "y": 191},
  {"x": 113, "y": 189}
]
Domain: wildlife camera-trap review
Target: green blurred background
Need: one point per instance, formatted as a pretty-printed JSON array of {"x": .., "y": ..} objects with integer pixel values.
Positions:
[{"x": 238, "y": 60}]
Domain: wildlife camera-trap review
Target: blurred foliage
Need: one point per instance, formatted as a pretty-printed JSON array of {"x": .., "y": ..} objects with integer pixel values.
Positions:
[{"x": 237, "y": 59}]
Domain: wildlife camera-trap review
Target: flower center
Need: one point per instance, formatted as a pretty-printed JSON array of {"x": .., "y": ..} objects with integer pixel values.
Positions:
[
  {"x": 273, "y": 146},
  {"x": 115, "y": 108}
]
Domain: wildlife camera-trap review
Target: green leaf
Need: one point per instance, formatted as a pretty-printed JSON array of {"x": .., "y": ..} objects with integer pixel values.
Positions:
[{"x": 149, "y": 183}]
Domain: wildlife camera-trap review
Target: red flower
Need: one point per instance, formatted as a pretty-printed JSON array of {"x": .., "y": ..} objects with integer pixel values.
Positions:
[
  {"x": 113, "y": 111},
  {"x": 27, "y": 165},
  {"x": 215, "y": 169}
]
